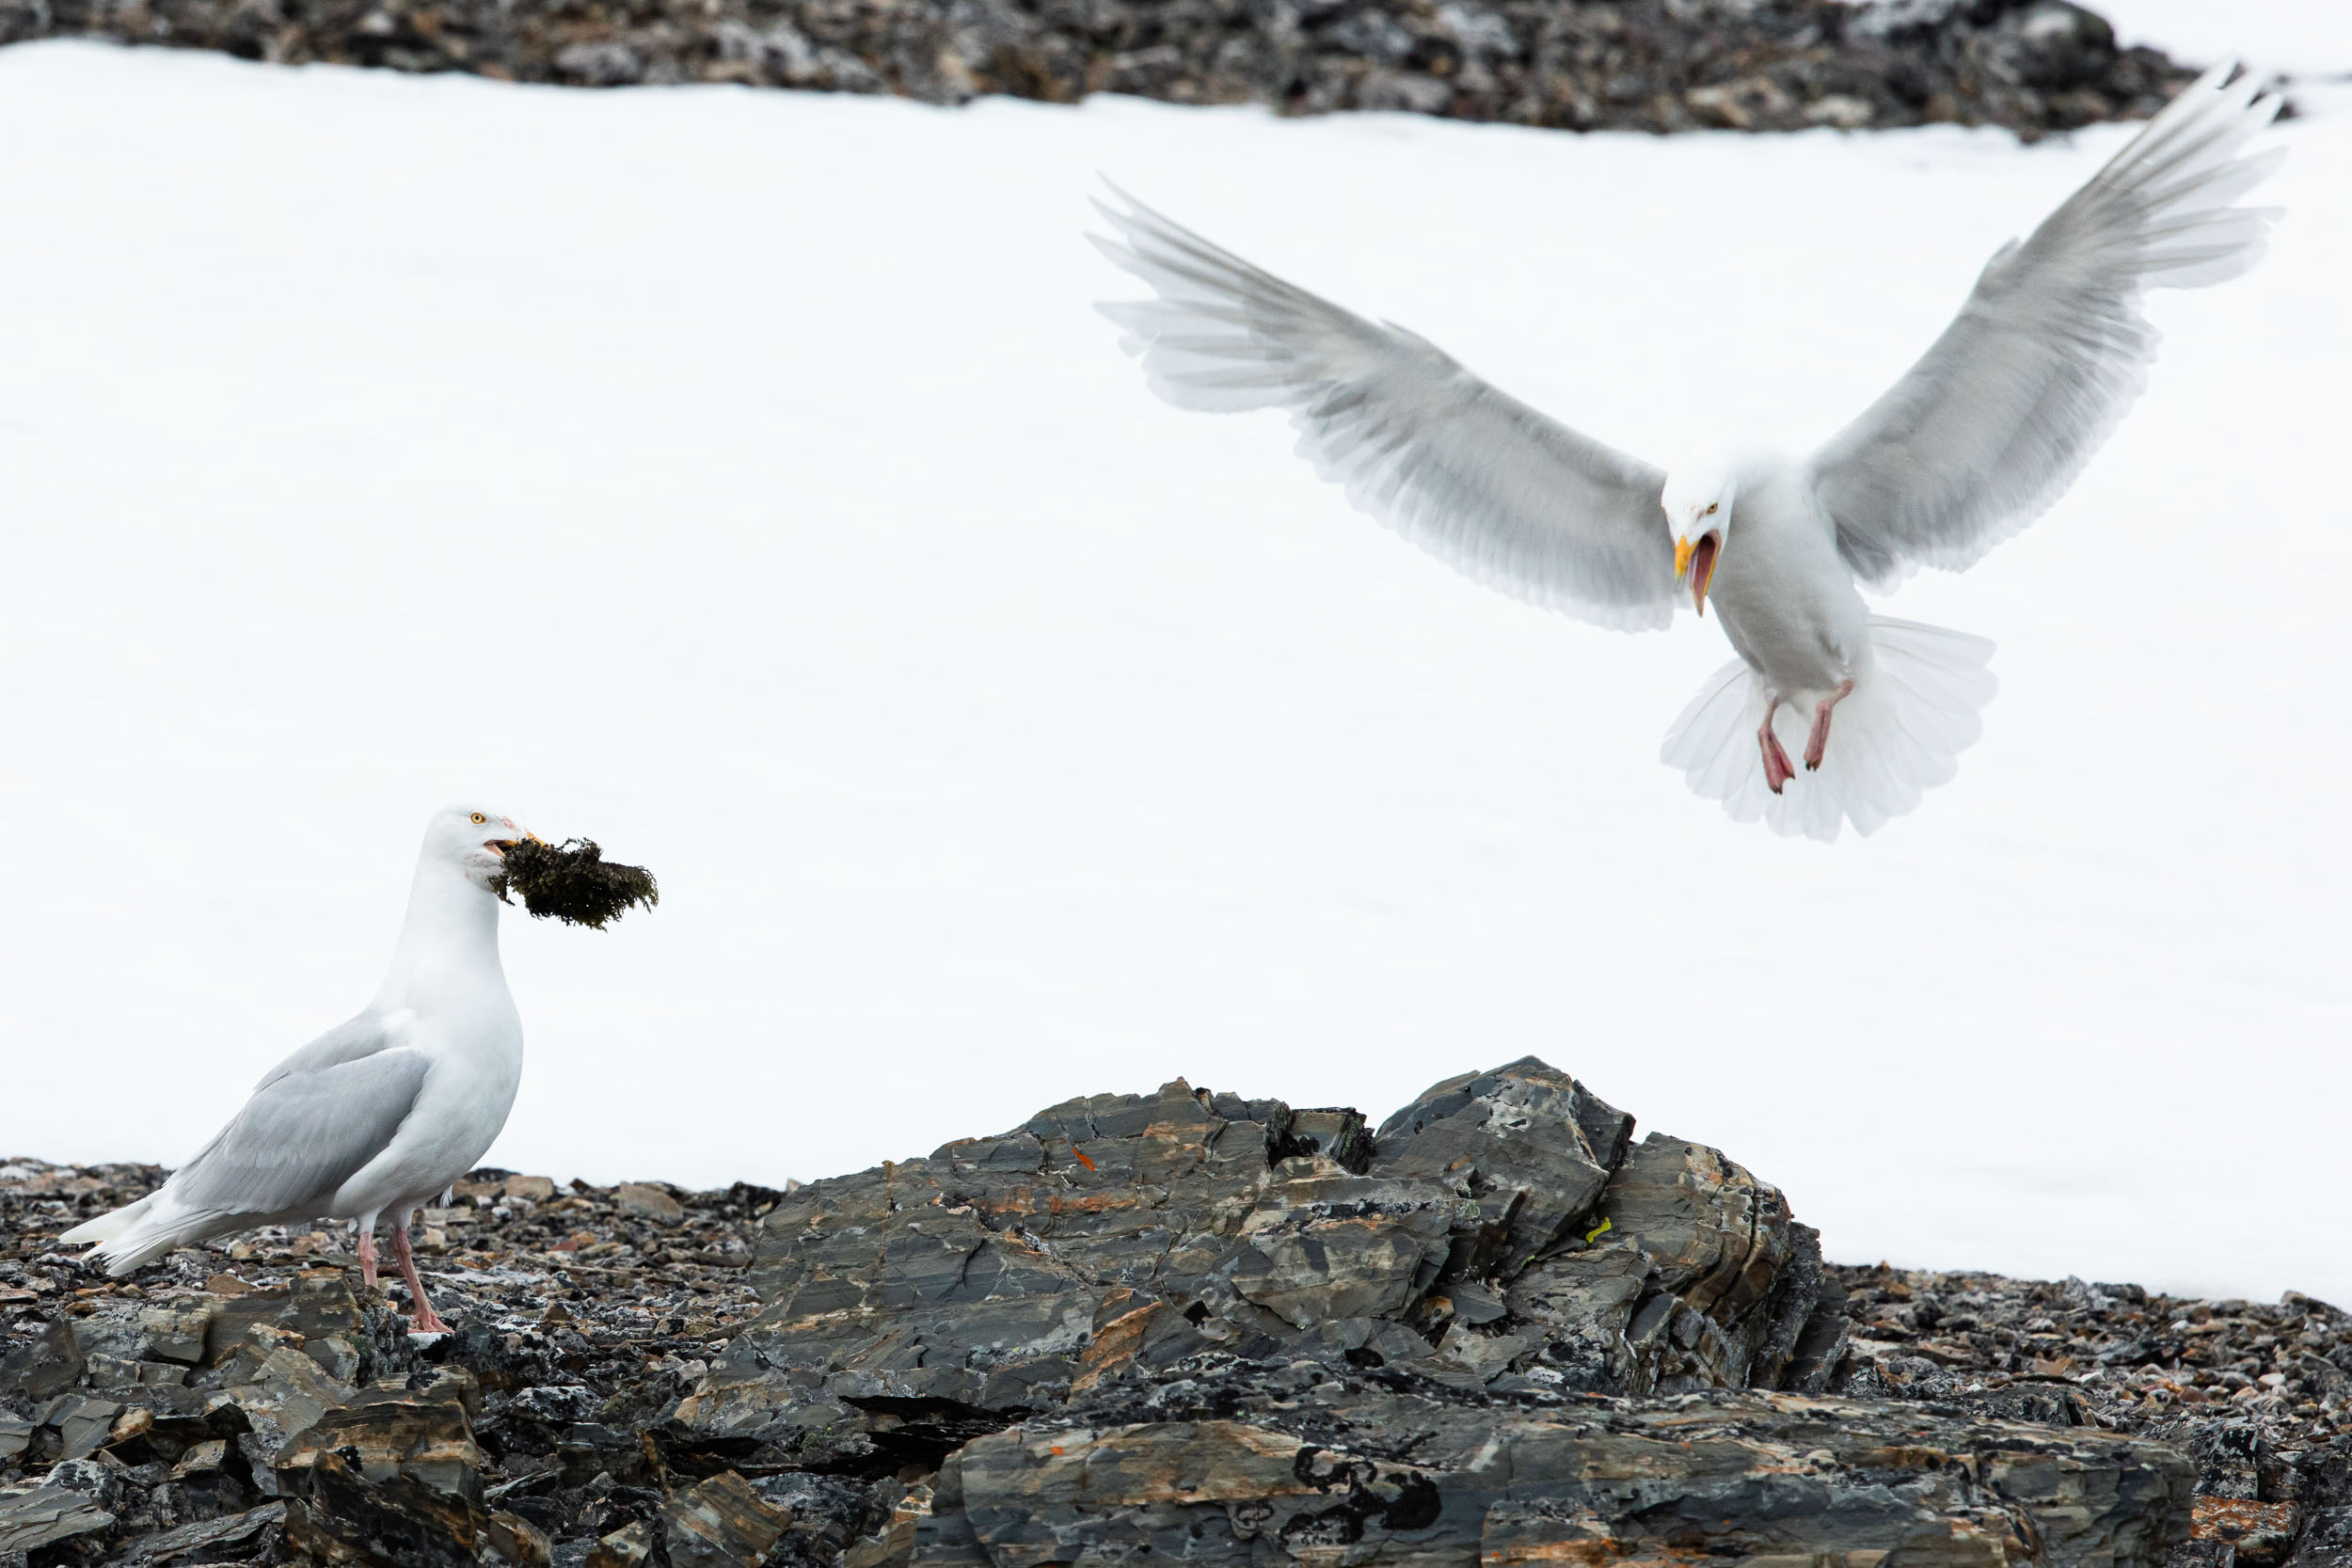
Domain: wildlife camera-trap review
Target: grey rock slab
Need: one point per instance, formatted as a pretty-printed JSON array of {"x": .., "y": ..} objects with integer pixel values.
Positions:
[
  {"x": 625, "y": 1547},
  {"x": 167, "y": 1332},
  {"x": 100, "y": 1476},
  {"x": 1724, "y": 1244},
  {"x": 201, "y": 1459},
  {"x": 206, "y": 1535},
  {"x": 1379, "y": 1479},
  {"x": 1525, "y": 1131},
  {"x": 648, "y": 1200},
  {"x": 721, "y": 1523},
  {"x": 347, "y": 1517},
  {"x": 318, "y": 1304},
  {"x": 47, "y": 1366},
  {"x": 43, "y": 1515},
  {"x": 428, "y": 1441},
  {"x": 83, "y": 1424},
  {"x": 285, "y": 1393},
  {"x": 1339, "y": 1248}
]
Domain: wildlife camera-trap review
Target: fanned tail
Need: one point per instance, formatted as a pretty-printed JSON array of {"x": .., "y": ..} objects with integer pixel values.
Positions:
[{"x": 1913, "y": 710}]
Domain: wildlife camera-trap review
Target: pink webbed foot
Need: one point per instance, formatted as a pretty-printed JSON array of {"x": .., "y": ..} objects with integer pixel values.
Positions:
[
  {"x": 426, "y": 1320},
  {"x": 1816, "y": 744},
  {"x": 1777, "y": 768}
]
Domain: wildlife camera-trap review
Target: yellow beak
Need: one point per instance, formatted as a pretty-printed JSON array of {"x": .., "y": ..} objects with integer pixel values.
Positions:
[{"x": 1684, "y": 549}]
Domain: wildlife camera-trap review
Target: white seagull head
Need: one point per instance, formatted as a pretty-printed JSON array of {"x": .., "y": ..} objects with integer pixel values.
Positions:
[
  {"x": 1697, "y": 501},
  {"x": 473, "y": 839}
]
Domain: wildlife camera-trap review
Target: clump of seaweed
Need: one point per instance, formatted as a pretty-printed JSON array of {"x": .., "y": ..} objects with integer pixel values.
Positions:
[{"x": 573, "y": 882}]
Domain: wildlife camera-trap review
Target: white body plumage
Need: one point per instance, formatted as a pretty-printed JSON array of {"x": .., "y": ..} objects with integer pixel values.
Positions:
[
  {"x": 446, "y": 1001},
  {"x": 1789, "y": 605}
]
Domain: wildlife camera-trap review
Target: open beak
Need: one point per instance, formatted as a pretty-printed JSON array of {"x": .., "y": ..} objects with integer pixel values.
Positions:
[
  {"x": 1697, "y": 562},
  {"x": 500, "y": 846}
]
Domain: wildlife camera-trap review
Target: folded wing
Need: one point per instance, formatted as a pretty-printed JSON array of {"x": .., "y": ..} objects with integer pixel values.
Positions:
[
  {"x": 1990, "y": 427},
  {"x": 354, "y": 1038},
  {"x": 302, "y": 1136},
  {"x": 1489, "y": 486}
]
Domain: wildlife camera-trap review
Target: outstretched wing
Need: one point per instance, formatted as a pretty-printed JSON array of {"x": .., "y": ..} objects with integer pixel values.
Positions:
[
  {"x": 1473, "y": 475},
  {"x": 1990, "y": 427},
  {"x": 305, "y": 1132}
]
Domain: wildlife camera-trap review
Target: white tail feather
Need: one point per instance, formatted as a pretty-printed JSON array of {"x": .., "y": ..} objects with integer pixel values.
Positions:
[
  {"x": 138, "y": 1233},
  {"x": 1912, "y": 711},
  {"x": 106, "y": 1227}
]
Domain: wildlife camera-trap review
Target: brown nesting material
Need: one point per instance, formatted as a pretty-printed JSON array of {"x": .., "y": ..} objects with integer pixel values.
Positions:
[{"x": 572, "y": 881}]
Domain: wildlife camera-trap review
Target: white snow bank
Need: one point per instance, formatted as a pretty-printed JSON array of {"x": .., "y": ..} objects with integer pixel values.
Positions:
[{"x": 743, "y": 479}]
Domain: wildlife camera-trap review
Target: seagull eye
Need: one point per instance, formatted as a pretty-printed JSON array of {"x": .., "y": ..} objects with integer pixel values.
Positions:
[
  {"x": 1711, "y": 506},
  {"x": 479, "y": 818}
]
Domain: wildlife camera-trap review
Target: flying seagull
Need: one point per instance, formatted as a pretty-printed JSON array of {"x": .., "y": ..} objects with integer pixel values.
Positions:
[
  {"x": 381, "y": 1114},
  {"x": 1978, "y": 439}
]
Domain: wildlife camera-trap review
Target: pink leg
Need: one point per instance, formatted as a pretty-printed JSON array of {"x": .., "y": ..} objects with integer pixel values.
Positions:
[
  {"x": 428, "y": 1320},
  {"x": 367, "y": 1258},
  {"x": 1777, "y": 770},
  {"x": 1818, "y": 742}
]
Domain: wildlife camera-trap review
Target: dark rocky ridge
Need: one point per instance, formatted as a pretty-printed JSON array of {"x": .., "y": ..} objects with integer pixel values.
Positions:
[
  {"x": 2034, "y": 66},
  {"x": 1497, "y": 1331}
]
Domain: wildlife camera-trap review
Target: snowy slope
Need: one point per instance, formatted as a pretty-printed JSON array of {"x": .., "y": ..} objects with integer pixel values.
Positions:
[{"x": 743, "y": 479}]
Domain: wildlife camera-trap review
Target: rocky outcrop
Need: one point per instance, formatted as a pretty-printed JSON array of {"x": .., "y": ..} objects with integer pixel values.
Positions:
[
  {"x": 1649, "y": 65},
  {"x": 1193, "y": 1324},
  {"x": 1497, "y": 1330},
  {"x": 1500, "y": 1233}
]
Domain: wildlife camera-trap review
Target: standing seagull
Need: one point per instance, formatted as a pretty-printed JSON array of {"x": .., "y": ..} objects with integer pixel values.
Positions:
[
  {"x": 378, "y": 1115},
  {"x": 1977, "y": 439}
]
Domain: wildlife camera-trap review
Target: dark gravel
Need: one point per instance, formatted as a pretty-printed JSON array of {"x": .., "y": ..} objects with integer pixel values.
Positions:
[
  {"x": 2257, "y": 1394},
  {"x": 579, "y": 1309},
  {"x": 2034, "y": 66}
]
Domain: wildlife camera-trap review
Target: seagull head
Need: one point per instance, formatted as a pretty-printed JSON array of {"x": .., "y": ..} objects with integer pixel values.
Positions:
[
  {"x": 1699, "y": 514},
  {"x": 474, "y": 839}
]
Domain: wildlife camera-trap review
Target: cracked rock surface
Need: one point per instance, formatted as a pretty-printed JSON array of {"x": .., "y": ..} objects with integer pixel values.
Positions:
[
  {"x": 1650, "y": 64},
  {"x": 1498, "y": 1329}
]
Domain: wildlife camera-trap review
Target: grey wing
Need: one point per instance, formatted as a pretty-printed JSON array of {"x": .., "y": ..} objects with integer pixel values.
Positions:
[
  {"x": 1475, "y": 477},
  {"x": 1986, "y": 431},
  {"x": 303, "y": 1135},
  {"x": 354, "y": 1038}
]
